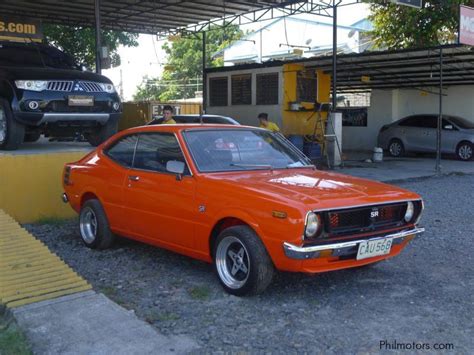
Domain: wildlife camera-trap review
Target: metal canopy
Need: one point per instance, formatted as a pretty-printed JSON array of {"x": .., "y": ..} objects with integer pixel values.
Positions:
[
  {"x": 161, "y": 17},
  {"x": 362, "y": 72}
]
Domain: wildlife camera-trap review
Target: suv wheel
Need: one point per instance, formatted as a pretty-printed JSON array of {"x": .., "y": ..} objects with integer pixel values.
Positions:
[
  {"x": 465, "y": 151},
  {"x": 103, "y": 133},
  {"x": 12, "y": 132}
]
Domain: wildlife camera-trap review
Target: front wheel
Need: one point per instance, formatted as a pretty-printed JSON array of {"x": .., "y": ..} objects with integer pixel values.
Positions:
[
  {"x": 103, "y": 133},
  {"x": 94, "y": 226},
  {"x": 12, "y": 132},
  {"x": 241, "y": 261},
  {"x": 465, "y": 151}
]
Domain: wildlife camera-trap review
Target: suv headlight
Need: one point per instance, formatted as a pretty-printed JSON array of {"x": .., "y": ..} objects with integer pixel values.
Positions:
[
  {"x": 107, "y": 87},
  {"x": 33, "y": 85},
  {"x": 313, "y": 225},
  {"x": 409, "y": 212}
]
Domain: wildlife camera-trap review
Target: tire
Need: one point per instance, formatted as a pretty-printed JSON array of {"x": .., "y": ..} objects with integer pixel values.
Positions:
[
  {"x": 465, "y": 151},
  {"x": 396, "y": 148},
  {"x": 241, "y": 262},
  {"x": 103, "y": 133},
  {"x": 12, "y": 132},
  {"x": 94, "y": 226},
  {"x": 32, "y": 137}
]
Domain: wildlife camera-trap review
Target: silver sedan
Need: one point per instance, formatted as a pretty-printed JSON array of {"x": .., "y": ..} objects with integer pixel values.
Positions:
[{"x": 417, "y": 133}]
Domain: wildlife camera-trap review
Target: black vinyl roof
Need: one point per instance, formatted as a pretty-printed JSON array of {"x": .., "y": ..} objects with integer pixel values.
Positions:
[
  {"x": 160, "y": 16},
  {"x": 415, "y": 68}
]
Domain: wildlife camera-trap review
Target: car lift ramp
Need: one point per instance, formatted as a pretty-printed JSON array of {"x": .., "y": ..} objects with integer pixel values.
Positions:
[{"x": 29, "y": 272}]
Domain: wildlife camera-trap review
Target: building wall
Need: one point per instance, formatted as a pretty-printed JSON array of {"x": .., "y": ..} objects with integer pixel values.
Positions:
[{"x": 391, "y": 105}]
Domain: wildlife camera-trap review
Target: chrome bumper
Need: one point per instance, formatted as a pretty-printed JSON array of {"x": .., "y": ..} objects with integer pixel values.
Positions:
[
  {"x": 70, "y": 116},
  {"x": 342, "y": 248}
]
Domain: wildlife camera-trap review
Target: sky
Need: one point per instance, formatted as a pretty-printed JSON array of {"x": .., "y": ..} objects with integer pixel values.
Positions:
[{"x": 149, "y": 58}]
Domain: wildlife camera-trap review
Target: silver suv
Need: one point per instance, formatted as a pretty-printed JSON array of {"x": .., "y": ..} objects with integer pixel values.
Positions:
[{"x": 417, "y": 133}]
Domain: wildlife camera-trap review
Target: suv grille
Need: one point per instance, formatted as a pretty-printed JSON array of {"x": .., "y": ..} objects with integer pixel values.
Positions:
[
  {"x": 59, "y": 85},
  {"x": 90, "y": 86},
  {"x": 364, "y": 219}
]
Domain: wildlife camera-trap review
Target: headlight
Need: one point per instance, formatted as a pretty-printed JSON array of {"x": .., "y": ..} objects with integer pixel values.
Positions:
[
  {"x": 33, "y": 85},
  {"x": 410, "y": 211},
  {"x": 313, "y": 225},
  {"x": 107, "y": 87}
]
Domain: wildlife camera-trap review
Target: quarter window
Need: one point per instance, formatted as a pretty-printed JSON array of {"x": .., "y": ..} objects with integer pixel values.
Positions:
[
  {"x": 122, "y": 150},
  {"x": 154, "y": 150}
]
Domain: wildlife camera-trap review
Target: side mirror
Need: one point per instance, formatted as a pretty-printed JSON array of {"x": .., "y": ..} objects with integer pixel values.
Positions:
[
  {"x": 449, "y": 127},
  {"x": 175, "y": 167}
]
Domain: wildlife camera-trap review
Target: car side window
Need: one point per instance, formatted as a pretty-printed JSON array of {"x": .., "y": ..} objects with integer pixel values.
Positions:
[
  {"x": 412, "y": 121},
  {"x": 430, "y": 122},
  {"x": 154, "y": 150},
  {"x": 122, "y": 150}
]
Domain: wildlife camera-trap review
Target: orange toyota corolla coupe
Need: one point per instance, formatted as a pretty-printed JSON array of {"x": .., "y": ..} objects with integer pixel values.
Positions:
[{"x": 242, "y": 198}]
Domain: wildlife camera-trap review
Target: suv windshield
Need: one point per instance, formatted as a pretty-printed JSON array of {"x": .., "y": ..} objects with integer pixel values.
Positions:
[
  {"x": 243, "y": 149},
  {"x": 461, "y": 122},
  {"x": 34, "y": 55}
]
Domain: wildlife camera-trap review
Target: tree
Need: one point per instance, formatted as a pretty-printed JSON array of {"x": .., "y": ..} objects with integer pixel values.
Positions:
[
  {"x": 397, "y": 26},
  {"x": 80, "y": 42},
  {"x": 183, "y": 71}
]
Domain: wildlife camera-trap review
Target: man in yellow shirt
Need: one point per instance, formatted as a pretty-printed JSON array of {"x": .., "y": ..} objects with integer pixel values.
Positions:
[
  {"x": 264, "y": 123},
  {"x": 168, "y": 115}
]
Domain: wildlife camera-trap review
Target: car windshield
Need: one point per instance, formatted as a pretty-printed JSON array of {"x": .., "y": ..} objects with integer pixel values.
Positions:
[
  {"x": 220, "y": 150},
  {"x": 461, "y": 122},
  {"x": 34, "y": 55}
]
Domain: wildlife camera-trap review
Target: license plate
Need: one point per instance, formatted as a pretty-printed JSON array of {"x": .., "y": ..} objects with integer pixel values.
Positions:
[
  {"x": 80, "y": 100},
  {"x": 373, "y": 248}
]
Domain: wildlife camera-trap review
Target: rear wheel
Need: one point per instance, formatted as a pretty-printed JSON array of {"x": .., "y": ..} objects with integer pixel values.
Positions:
[
  {"x": 12, "y": 132},
  {"x": 396, "y": 148},
  {"x": 242, "y": 262},
  {"x": 465, "y": 151},
  {"x": 94, "y": 226},
  {"x": 103, "y": 133}
]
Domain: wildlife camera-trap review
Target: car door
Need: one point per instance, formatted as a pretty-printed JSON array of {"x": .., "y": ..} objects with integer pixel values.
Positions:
[
  {"x": 450, "y": 136},
  {"x": 426, "y": 141},
  {"x": 161, "y": 206},
  {"x": 408, "y": 131}
]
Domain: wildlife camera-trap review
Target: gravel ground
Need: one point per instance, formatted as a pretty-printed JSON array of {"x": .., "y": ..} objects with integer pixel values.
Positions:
[{"x": 422, "y": 298}]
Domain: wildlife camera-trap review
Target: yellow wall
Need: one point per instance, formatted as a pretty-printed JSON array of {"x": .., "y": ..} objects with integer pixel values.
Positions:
[
  {"x": 303, "y": 122},
  {"x": 31, "y": 185}
]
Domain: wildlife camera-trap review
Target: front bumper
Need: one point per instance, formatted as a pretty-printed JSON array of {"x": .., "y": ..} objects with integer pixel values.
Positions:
[{"x": 342, "y": 248}]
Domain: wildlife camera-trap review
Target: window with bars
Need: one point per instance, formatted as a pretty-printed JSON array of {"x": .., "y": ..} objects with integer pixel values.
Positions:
[
  {"x": 242, "y": 89},
  {"x": 218, "y": 91},
  {"x": 267, "y": 89},
  {"x": 306, "y": 86}
]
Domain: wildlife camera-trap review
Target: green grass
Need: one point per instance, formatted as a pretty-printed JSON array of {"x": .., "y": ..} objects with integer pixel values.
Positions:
[
  {"x": 200, "y": 293},
  {"x": 12, "y": 340}
]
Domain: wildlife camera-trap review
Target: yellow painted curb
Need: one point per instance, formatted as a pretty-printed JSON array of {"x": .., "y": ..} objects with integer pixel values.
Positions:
[{"x": 29, "y": 272}]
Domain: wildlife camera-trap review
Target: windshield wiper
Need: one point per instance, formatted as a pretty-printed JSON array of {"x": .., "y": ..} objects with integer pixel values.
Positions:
[{"x": 259, "y": 166}]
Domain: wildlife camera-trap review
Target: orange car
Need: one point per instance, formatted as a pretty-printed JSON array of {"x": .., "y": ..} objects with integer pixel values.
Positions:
[{"x": 240, "y": 197}]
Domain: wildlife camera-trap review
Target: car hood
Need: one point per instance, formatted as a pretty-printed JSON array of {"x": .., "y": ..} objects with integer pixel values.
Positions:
[
  {"x": 21, "y": 73},
  {"x": 314, "y": 189}
]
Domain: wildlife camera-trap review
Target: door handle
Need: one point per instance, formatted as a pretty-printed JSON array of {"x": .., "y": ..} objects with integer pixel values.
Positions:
[{"x": 133, "y": 178}]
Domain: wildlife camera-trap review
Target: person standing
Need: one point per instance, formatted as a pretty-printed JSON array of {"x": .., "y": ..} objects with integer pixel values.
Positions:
[
  {"x": 168, "y": 115},
  {"x": 265, "y": 123}
]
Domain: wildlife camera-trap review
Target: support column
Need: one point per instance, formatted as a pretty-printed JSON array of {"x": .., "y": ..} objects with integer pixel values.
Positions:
[
  {"x": 334, "y": 55},
  {"x": 204, "y": 78},
  {"x": 440, "y": 116},
  {"x": 98, "y": 42}
]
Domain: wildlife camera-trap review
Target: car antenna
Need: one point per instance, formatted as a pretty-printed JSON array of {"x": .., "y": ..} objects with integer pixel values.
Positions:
[
  {"x": 201, "y": 113},
  {"x": 38, "y": 50}
]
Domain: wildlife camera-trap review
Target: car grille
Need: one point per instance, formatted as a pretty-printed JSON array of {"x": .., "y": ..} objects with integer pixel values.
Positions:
[
  {"x": 90, "y": 86},
  {"x": 59, "y": 85},
  {"x": 364, "y": 219},
  {"x": 62, "y": 106}
]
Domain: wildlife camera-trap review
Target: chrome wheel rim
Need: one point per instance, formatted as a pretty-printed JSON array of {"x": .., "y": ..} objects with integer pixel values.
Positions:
[
  {"x": 3, "y": 125},
  {"x": 232, "y": 262},
  {"x": 395, "y": 148},
  {"x": 88, "y": 225},
  {"x": 465, "y": 152}
]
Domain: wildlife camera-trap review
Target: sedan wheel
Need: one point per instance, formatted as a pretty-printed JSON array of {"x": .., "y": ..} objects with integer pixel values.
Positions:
[
  {"x": 94, "y": 226},
  {"x": 242, "y": 262},
  {"x": 465, "y": 151},
  {"x": 396, "y": 148}
]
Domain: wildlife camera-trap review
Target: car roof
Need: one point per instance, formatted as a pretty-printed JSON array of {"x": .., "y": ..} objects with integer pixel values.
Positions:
[{"x": 186, "y": 127}]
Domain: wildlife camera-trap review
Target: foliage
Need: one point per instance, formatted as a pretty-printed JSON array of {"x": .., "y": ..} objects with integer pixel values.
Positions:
[
  {"x": 184, "y": 64},
  {"x": 80, "y": 42},
  {"x": 397, "y": 26},
  {"x": 12, "y": 339}
]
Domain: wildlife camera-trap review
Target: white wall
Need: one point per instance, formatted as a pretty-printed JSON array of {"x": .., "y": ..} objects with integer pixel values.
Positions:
[
  {"x": 390, "y": 105},
  {"x": 247, "y": 114}
]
